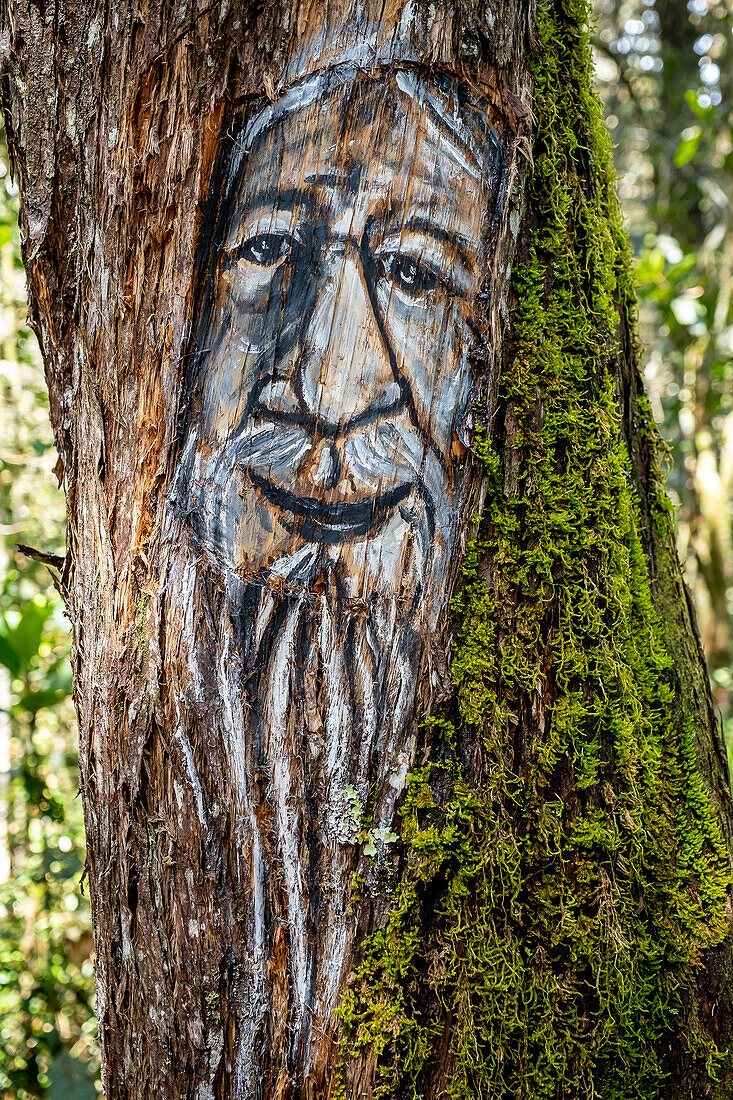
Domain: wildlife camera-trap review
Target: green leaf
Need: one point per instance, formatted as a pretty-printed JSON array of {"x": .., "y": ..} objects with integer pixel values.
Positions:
[
  {"x": 6, "y": 233},
  {"x": 26, "y": 637},
  {"x": 688, "y": 146},
  {"x": 8, "y": 657},
  {"x": 59, "y": 676},
  {"x": 694, "y": 104},
  {"x": 33, "y": 701},
  {"x": 679, "y": 270}
]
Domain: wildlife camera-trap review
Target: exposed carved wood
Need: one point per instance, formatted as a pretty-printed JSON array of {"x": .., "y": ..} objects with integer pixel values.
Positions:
[{"x": 220, "y": 831}]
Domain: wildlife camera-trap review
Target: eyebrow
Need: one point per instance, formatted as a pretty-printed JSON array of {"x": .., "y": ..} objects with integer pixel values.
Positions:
[
  {"x": 292, "y": 197},
  {"x": 274, "y": 195},
  {"x": 460, "y": 244}
]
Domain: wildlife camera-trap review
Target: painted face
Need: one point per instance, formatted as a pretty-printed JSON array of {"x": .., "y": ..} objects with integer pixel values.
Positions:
[
  {"x": 335, "y": 371},
  {"x": 323, "y": 476}
]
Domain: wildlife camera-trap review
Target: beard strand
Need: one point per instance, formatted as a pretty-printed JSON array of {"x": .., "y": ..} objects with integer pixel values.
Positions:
[
  {"x": 314, "y": 693},
  {"x": 282, "y": 761}
]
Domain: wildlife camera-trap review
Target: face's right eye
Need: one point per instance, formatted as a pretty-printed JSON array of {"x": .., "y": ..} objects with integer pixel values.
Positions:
[{"x": 264, "y": 249}]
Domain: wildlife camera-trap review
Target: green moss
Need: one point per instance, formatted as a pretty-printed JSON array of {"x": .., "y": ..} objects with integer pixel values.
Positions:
[{"x": 548, "y": 924}]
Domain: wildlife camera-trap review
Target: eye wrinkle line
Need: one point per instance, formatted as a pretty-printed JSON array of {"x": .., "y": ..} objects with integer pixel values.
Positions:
[
  {"x": 273, "y": 198},
  {"x": 460, "y": 244}
]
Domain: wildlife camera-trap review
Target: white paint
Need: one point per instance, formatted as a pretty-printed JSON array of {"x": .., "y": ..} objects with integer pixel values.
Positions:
[
  {"x": 288, "y": 832},
  {"x": 229, "y": 669},
  {"x": 193, "y": 777},
  {"x": 298, "y": 564},
  {"x": 338, "y": 720}
]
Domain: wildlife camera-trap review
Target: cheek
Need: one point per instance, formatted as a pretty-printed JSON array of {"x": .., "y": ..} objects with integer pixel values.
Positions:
[
  {"x": 428, "y": 341},
  {"x": 228, "y": 383},
  {"x": 266, "y": 311},
  {"x": 239, "y": 347},
  {"x": 431, "y": 350},
  {"x": 251, "y": 303}
]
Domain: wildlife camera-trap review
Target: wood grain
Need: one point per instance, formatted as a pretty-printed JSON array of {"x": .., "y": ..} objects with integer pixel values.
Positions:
[{"x": 118, "y": 121}]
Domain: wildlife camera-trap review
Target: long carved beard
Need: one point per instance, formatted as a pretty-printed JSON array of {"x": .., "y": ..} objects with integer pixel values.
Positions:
[{"x": 313, "y": 694}]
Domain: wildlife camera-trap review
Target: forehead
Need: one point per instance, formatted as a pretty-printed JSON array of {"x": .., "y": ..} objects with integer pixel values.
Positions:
[{"x": 369, "y": 136}]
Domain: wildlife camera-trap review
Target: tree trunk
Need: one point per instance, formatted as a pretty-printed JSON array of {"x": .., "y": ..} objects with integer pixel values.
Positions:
[{"x": 336, "y": 315}]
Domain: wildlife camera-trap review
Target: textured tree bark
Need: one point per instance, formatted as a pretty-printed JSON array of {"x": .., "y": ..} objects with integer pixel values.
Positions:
[{"x": 269, "y": 253}]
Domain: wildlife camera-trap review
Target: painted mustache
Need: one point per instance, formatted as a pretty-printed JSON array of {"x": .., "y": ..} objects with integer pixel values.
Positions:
[
  {"x": 389, "y": 451},
  {"x": 385, "y": 466}
]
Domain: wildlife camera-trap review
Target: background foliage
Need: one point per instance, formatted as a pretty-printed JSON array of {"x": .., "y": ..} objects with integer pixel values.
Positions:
[
  {"x": 664, "y": 71},
  {"x": 47, "y": 1028}
]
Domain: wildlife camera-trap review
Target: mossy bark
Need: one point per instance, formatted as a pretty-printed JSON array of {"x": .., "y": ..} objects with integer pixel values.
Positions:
[
  {"x": 555, "y": 921},
  {"x": 569, "y": 847}
]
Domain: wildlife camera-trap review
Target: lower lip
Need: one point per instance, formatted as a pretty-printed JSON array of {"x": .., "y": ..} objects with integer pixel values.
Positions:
[{"x": 341, "y": 518}]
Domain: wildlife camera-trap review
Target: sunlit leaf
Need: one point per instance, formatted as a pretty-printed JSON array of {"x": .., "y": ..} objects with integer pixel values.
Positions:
[
  {"x": 694, "y": 104},
  {"x": 26, "y": 637},
  {"x": 684, "y": 267},
  {"x": 688, "y": 147}
]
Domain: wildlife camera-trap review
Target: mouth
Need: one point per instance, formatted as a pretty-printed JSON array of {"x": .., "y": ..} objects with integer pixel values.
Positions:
[{"x": 337, "y": 521}]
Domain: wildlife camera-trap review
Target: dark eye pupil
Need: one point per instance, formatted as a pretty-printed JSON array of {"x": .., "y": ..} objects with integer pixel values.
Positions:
[
  {"x": 412, "y": 277},
  {"x": 265, "y": 248},
  {"x": 406, "y": 272}
]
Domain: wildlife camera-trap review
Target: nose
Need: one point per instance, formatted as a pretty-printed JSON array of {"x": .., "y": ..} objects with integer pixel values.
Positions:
[{"x": 345, "y": 370}]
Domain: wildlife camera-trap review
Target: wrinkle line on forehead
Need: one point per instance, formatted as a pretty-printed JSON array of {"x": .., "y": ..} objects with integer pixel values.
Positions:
[
  {"x": 301, "y": 95},
  {"x": 273, "y": 195},
  {"x": 479, "y": 153}
]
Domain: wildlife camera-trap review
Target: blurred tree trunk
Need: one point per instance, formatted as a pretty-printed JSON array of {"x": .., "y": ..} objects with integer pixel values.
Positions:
[
  {"x": 693, "y": 209},
  {"x": 675, "y": 186},
  {"x": 553, "y": 919}
]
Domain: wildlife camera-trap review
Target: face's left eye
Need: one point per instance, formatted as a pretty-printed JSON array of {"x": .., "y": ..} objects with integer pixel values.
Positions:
[
  {"x": 408, "y": 274},
  {"x": 265, "y": 249}
]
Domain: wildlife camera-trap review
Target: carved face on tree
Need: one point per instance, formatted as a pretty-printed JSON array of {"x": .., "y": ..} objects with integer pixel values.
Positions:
[
  {"x": 324, "y": 476},
  {"x": 334, "y": 341}
]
